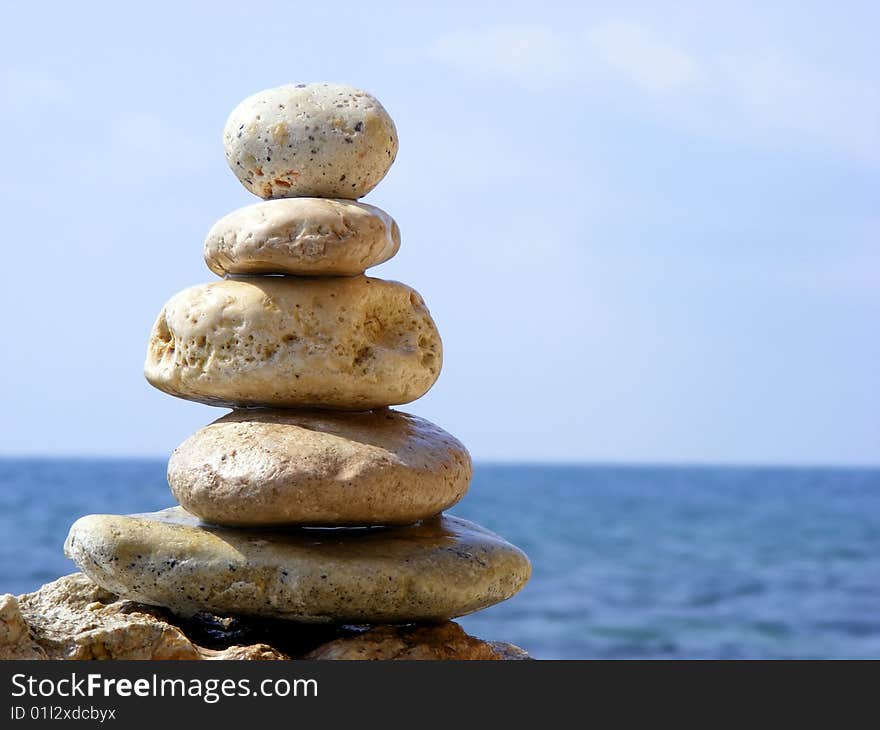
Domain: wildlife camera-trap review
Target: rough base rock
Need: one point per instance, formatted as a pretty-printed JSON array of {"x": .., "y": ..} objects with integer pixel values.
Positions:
[
  {"x": 72, "y": 618},
  {"x": 439, "y": 641}
]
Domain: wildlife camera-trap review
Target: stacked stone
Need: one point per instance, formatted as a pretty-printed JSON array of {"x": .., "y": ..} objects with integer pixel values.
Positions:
[{"x": 312, "y": 500}]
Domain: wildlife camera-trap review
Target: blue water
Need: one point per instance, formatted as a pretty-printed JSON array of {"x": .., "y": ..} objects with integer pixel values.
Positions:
[{"x": 628, "y": 561}]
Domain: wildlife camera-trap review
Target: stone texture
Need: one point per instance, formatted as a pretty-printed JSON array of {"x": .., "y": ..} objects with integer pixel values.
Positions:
[
  {"x": 302, "y": 236},
  {"x": 438, "y": 641},
  {"x": 433, "y": 571},
  {"x": 321, "y": 140},
  {"x": 72, "y": 618},
  {"x": 273, "y": 467},
  {"x": 342, "y": 343},
  {"x": 16, "y": 641}
]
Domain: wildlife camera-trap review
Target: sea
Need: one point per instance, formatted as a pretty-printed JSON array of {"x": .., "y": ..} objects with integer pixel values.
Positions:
[{"x": 629, "y": 562}]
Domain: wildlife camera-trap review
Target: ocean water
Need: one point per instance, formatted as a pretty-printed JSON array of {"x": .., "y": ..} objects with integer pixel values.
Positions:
[{"x": 628, "y": 562}]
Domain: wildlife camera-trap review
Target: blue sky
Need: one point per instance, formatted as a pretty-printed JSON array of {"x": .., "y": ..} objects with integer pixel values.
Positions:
[{"x": 647, "y": 231}]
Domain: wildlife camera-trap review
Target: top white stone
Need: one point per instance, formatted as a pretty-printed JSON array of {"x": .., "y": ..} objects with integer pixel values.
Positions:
[{"x": 316, "y": 140}]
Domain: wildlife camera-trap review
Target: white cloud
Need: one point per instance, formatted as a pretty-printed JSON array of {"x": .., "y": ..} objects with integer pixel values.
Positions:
[
  {"x": 644, "y": 58},
  {"x": 522, "y": 51},
  {"x": 758, "y": 97},
  {"x": 779, "y": 94}
]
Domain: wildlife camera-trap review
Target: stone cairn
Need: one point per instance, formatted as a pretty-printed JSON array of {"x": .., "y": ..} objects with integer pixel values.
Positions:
[{"x": 312, "y": 500}]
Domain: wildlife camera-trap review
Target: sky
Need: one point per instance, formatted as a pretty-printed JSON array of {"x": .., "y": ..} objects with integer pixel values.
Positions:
[{"x": 648, "y": 232}]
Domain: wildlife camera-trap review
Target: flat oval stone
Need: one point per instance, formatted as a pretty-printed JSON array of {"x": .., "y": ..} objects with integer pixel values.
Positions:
[
  {"x": 318, "y": 140},
  {"x": 275, "y": 467},
  {"x": 436, "y": 570},
  {"x": 352, "y": 343},
  {"x": 302, "y": 236}
]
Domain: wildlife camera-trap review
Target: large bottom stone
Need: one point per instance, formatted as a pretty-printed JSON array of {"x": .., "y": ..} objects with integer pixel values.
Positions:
[
  {"x": 72, "y": 618},
  {"x": 433, "y": 571}
]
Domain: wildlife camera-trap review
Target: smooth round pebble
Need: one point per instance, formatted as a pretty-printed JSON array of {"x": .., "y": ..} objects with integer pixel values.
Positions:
[
  {"x": 302, "y": 236},
  {"x": 274, "y": 467},
  {"x": 436, "y": 570},
  {"x": 350, "y": 343},
  {"x": 317, "y": 140}
]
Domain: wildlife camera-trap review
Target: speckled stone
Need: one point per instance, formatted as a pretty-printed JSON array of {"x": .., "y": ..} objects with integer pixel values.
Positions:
[
  {"x": 302, "y": 236},
  {"x": 348, "y": 343},
  {"x": 436, "y": 570},
  {"x": 259, "y": 467},
  {"x": 321, "y": 140}
]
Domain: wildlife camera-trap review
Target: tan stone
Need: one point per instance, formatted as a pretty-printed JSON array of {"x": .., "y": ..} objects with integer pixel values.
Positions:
[
  {"x": 445, "y": 641},
  {"x": 342, "y": 343},
  {"x": 72, "y": 618},
  {"x": 320, "y": 140},
  {"x": 16, "y": 641},
  {"x": 302, "y": 236},
  {"x": 436, "y": 570},
  {"x": 272, "y": 467}
]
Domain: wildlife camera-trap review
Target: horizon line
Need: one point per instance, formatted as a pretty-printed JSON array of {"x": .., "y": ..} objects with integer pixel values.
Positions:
[{"x": 562, "y": 463}]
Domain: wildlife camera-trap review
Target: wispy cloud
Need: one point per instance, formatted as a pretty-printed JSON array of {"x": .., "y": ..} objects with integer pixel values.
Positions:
[
  {"x": 519, "y": 51},
  {"x": 754, "y": 95},
  {"x": 644, "y": 58},
  {"x": 781, "y": 94}
]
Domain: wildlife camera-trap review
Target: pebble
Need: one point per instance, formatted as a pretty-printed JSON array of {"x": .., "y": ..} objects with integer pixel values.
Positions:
[
  {"x": 350, "y": 343},
  {"x": 433, "y": 571},
  {"x": 316, "y": 140},
  {"x": 302, "y": 236},
  {"x": 274, "y": 467}
]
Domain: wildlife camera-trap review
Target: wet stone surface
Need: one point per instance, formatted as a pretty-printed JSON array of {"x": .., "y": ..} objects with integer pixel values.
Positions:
[{"x": 435, "y": 570}]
